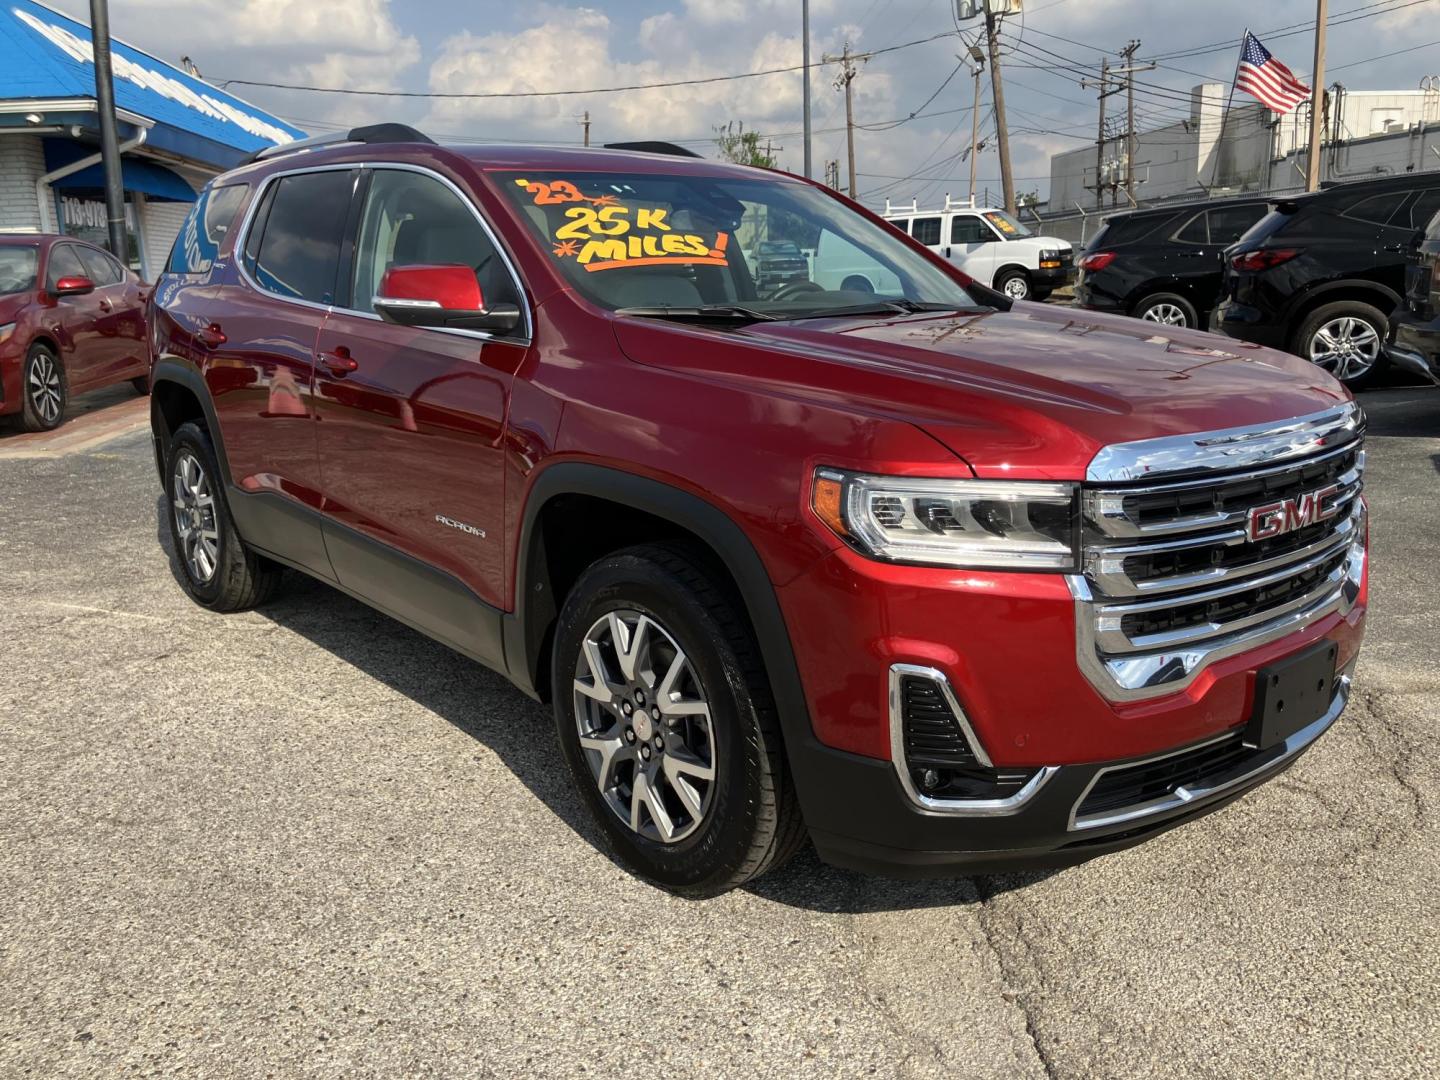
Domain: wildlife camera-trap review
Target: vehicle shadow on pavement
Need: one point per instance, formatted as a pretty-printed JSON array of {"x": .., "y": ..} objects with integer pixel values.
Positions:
[{"x": 486, "y": 707}]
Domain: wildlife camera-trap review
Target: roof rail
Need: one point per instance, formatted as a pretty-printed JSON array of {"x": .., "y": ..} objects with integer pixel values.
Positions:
[
  {"x": 373, "y": 133},
  {"x": 913, "y": 208},
  {"x": 652, "y": 148},
  {"x": 959, "y": 204}
]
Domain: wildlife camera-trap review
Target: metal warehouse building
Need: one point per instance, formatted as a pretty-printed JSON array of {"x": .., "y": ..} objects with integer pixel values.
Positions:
[{"x": 176, "y": 131}]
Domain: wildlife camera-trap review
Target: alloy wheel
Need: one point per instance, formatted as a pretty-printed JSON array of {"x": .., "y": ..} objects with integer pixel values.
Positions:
[
  {"x": 195, "y": 522},
  {"x": 1167, "y": 314},
  {"x": 1017, "y": 288},
  {"x": 1346, "y": 347},
  {"x": 45, "y": 391},
  {"x": 644, "y": 725}
]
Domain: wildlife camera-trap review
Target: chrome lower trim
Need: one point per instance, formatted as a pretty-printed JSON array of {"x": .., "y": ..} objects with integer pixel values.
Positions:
[
  {"x": 950, "y": 807},
  {"x": 1215, "y": 786},
  {"x": 1228, "y": 450}
]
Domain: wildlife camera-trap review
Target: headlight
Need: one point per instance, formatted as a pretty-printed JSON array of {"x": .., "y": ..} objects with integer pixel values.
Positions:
[
  {"x": 5, "y": 331},
  {"x": 978, "y": 524}
]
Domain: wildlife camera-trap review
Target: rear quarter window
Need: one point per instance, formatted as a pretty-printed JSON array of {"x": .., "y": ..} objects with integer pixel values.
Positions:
[
  {"x": 210, "y": 220},
  {"x": 1377, "y": 209}
]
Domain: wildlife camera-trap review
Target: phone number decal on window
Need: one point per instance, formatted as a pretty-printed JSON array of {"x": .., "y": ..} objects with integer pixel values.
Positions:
[{"x": 601, "y": 233}]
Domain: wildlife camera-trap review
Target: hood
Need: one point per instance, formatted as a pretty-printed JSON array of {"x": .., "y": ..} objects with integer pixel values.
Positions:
[
  {"x": 1033, "y": 392},
  {"x": 1053, "y": 242}
]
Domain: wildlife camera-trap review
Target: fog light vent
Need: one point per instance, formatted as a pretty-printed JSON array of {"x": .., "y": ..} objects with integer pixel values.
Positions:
[{"x": 940, "y": 757}]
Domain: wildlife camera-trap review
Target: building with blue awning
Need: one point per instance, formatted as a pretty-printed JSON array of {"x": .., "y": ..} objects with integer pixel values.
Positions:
[{"x": 176, "y": 131}]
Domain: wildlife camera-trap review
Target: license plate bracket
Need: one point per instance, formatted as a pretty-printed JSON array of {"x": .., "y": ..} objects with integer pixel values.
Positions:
[{"x": 1292, "y": 694}]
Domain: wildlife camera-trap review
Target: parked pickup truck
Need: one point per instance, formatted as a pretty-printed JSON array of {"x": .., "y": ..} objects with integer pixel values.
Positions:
[{"x": 941, "y": 582}]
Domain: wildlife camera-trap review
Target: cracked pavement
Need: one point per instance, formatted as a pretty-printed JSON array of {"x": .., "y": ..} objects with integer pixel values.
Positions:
[{"x": 307, "y": 841}]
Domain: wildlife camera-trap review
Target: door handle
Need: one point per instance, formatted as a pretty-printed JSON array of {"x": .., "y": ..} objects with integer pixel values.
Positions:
[
  {"x": 212, "y": 337},
  {"x": 947, "y": 253},
  {"x": 105, "y": 305},
  {"x": 1394, "y": 247},
  {"x": 339, "y": 363}
]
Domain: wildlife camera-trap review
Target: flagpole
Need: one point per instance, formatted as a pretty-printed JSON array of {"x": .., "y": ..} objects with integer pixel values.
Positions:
[
  {"x": 1225, "y": 116},
  {"x": 1317, "y": 98}
]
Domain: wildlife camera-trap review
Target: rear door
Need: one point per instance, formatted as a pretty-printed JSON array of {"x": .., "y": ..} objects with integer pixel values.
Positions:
[
  {"x": 1200, "y": 267},
  {"x": 411, "y": 419},
  {"x": 76, "y": 321},
  {"x": 121, "y": 321}
]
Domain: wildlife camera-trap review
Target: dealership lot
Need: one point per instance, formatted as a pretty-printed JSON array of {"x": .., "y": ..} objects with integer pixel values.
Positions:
[{"x": 307, "y": 839}]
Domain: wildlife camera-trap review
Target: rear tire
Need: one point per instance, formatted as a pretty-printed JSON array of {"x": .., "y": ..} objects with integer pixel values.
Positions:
[
  {"x": 1041, "y": 295},
  {"x": 698, "y": 801},
  {"x": 1015, "y": 284},
  {"x": 44, "y": 394},
  {"x": 218, "y": 570},
  {"x": 1168, "y": 309},
  {"x": 1347, "y": 340}
]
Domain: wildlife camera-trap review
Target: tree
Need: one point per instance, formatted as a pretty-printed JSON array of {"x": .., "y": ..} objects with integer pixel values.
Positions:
[{"x": 742, "y": 147}]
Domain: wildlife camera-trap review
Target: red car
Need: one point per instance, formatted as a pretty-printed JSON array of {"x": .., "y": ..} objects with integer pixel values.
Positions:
[
  {"x": 72, "y": 319},
  {"x": 943, "y": 581}
]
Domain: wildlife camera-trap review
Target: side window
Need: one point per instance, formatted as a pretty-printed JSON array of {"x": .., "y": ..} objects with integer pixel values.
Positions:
[
  {"x": 1378, "y": 208},
  {"x": 99, "y": 267},
  {"x": 411, "y": 219},
  {"x": 297, "y": 253},
  {"x": 211, "y": 218},
  {"x": 926, "y": 230},
  {"x": 1230, "y": 223},
  {"x": 967, "y": 229},
  {"x": 63, "y": 263},
  {"x": 1423, "y": 209},
  {"x": 1195, "y": 231}
]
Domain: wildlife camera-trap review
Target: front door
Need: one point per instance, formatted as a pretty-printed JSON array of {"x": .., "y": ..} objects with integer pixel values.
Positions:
[
  {"x": 75, "y": 320},
  {"x": 411, "y": 419},
  {"x": 976, "y": 247},
  {"x": 121, "y": 321}
]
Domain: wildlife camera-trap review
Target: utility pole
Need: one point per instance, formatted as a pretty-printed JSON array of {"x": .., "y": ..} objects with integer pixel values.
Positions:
[
  {"x": 109, "y": 141},
  {"x": 997, "y": 88},
  {"x": 978, "y": 59},
  {"x": 1105, "y": 91},
  {"x": 585, "y": 123},
  {"x": 1317, "y": 99},
  {"x": 843, "y": 81},
  {"x": 805, "y": 75},
  {"x": 1131, "y": 141}
]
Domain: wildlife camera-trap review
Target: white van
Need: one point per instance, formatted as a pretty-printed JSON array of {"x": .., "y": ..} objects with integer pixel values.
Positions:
[{"x": 991, "y": 246}]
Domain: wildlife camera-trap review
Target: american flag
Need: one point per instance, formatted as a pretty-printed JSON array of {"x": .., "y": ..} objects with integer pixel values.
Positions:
[{"x": 1262, "y": 76}]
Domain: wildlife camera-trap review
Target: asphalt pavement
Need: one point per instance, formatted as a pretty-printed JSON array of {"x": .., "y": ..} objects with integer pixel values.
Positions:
[{"x": 306, "y": 841}]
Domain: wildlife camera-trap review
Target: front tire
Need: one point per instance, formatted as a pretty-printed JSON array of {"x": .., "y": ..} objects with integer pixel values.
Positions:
[
  {"x": 218, "y": 570},
  {"x": 1015, "y": 284},
  {"x": 667, "y": 723},
  {"x": 43, "y": 390},
  {"x": 1347, "y": 340}
]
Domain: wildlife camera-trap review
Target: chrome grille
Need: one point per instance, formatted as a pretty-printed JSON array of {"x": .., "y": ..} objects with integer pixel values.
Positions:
[{"x": 1172, "y": 579}]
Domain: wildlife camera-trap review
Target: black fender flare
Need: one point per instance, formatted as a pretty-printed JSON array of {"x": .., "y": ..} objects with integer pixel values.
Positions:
[
  {"x": 1310, "y": 297},
  {"x": 535, "y": 607},
  {"x": 171, "y": 369}
]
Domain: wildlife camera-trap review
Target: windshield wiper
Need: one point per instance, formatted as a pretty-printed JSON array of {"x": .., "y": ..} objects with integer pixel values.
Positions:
[
  {"x": 879, "y": 307},
  {"x": 706, "y": 313}
]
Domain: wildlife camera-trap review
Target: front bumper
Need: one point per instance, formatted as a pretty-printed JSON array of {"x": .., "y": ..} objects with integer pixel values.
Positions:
[
  {"x": 1414, "y": 345},
  {"x": 870, "y": 824},
  {"x": 1053, "y": 277}
]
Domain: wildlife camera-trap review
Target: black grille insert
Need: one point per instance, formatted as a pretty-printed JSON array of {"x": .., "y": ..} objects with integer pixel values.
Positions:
[{"x": 1152, "y": 780}]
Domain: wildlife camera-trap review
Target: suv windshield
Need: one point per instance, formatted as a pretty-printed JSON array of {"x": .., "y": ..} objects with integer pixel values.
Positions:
[
  {"x": 684, "y": 243},
  {"x": 17, "y": 269}
]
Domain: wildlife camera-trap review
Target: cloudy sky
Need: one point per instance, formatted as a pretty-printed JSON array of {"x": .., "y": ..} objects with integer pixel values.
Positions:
[{"x": 464, "y": 46}]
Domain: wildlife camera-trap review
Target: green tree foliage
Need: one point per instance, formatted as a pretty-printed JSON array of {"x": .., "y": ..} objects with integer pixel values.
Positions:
[{"x": 742, "y": 147}]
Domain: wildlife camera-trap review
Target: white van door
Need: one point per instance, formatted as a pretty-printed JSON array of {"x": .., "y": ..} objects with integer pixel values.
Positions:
[
  {"x": 976, "y": 247},
  {"x": 928, "y": 231}
]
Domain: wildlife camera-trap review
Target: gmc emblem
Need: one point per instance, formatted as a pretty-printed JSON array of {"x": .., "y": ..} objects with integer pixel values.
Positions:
[{"x": 1277, "y": 519}]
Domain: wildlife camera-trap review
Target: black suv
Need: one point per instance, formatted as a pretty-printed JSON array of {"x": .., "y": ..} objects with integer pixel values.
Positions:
[
  {"x": 1415, "y": 328},
  {"x": 1164, "y": 265},
  {"x": 1320, "y": 275}
]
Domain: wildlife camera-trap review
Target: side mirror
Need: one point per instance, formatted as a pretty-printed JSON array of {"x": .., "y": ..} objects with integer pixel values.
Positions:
[
  {"x": 73, "y": 286},
  {"x": 440, "y": 296}
]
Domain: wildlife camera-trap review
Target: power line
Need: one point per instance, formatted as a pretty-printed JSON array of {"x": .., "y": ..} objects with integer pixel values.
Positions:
[{"x": 569, "y": 93}]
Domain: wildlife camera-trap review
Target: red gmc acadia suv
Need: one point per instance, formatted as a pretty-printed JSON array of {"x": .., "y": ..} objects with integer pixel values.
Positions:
[{"x": 873, "y": 556}]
